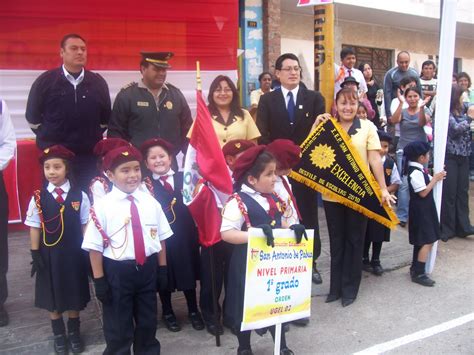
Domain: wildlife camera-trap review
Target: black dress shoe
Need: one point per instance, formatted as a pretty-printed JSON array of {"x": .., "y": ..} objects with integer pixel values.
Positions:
[
  {"x": 317, "y": 279},
  {"x": 244, "y": 352},
  {"x": 302, "y": 322},
  {"x": 75, "y": 342},
  {"x": 286, "y": 351},
  {"x": 423, "y": 280},
  {"x": 347, "y": 301},
  {"x": 402, "y": 224},
  {"x": 3, "y": 317},
  {"x": 444, "y": 238},
  {"x": 60, "y": 344},
  {"x": 332, "y": 298},
  {"x": 171, "y": 323},
  {"x": 213, "y": 329},
  {"x": 366, "y": 265},
  {"x": 196, "y": 320},
  {"x": 377, "y": 270}
]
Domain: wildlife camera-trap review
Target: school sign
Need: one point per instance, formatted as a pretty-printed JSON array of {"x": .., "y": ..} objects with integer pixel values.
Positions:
[{"x": 278, "y": 279}]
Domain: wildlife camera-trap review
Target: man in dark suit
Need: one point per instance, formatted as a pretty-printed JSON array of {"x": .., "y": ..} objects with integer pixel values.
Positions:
[{"x": 289, "y": 113}]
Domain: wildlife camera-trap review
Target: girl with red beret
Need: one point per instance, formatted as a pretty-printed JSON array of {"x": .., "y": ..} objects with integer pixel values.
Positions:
[{"x": 56, "y": 216}]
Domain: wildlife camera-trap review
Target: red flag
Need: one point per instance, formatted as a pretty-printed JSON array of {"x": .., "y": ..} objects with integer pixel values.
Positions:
[{"x": 205, "y": 163}]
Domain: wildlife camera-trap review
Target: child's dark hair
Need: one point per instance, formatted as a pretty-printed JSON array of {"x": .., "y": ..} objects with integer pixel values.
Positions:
[
  {"x": 361, "y": 104},
  {"x": 415, "y": 89},
  {"x": 145, "y": 152},
  {"x": 412, "y": 152},
  {"x": 407, "y": 80},
  {"x": 256, "y": 170}
]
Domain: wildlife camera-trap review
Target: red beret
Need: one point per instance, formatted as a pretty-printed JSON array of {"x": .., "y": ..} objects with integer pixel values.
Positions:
[
  {"x": 119, "y": 156},
  {"x": 106, "y": 145},
  {"x": 56, "y": 151},
  {"x": 237, "y": 146},
  {"x": 287, "y": 153},
  {"x": 156, "y": 142},
  {"x": 246, "y": 161}
]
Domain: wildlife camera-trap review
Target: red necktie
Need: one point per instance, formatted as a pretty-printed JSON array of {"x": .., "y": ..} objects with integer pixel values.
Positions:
[
  {"x": 59, "y": 198},
  {"x": 293, "y": 199},
  {"x": 350, "y": 72},
  {"x": 166, "y": 184},
  {"x": 273, "y": 206},
  {"x": 138, "y": 242}
]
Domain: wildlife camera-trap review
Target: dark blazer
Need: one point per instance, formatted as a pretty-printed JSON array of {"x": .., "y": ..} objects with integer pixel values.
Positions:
[{"x": 273, "y": 120}]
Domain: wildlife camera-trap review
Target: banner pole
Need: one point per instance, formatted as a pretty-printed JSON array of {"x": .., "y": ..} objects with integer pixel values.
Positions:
[
  {"x": 214, "y": 295},
  {"x": 446, "y": 56},
  {"x": 276, "y": 349}
]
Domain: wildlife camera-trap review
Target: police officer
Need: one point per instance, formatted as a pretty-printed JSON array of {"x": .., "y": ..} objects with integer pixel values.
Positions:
[
  {"x": 70, "y": 106},
  {"x": 151, "y": 108}
]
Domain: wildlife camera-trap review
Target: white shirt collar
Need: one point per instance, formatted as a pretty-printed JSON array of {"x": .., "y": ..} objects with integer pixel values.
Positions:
[
  {"x": 286, "y": 91},
  {"x": 118, "y": 194},
  {"x": 169, "y": 173},
  {"x": 384, "y": 158},
  {"x": 65, "y": 187},
  {"x": 71, "y": 79},
  {"x": 416, "y": 164},
  {"x": 248, "y": 190}
]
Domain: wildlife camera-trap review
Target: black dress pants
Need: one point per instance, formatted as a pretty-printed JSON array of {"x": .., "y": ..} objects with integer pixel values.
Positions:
[
  {"x": 346, "y": 240},
  {"x": 3, "y": 241},
  {"x": 455, "y": 203},
  {"x": 306, "y": 198},
  {"x": 222, "y": 253},
  {"x": 130, "y": 317},
  {"x": 84, "y": 169}
]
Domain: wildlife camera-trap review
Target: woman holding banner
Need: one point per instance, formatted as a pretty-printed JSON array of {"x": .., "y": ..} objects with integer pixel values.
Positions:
[{"x": 346, "y": 226}]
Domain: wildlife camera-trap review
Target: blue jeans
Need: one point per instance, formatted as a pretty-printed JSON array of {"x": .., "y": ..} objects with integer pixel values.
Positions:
[{"x": 403, "y": 191}]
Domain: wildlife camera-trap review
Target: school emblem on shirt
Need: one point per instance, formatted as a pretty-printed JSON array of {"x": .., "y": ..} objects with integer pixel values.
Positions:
[
  {"x": 388, "y": 172},
  {"x": 76, "y": 205},
  {"x": 169, "y": 105},
  {"x": 143, "y": 104},
  {"x": 153, "y": 232}
]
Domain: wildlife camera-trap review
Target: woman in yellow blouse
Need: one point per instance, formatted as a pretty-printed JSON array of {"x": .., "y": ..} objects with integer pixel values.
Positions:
[
  {"x": 347, "y": 227},
  {"x": 229, "y": 119}
]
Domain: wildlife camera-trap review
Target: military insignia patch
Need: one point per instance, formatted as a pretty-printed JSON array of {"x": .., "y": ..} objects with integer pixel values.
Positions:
[
  {"x": 76, "y": 205},
  {"x": 153, "y": 232},
  {"x": 143, "y": 104},
  {"x": 169, "y": 105}
]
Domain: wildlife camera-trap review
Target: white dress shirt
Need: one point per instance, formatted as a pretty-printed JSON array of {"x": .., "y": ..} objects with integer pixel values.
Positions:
[
  {"x": 417, "y": 177},
  {"x": 169, "y": 179},
  {"x": 72, "y": 79},
  {"x": 285, "y": 95},
  {"x": 355, "y": 73},
  {"x": 32, "y": 217},
  {"x": 232, "y": 217},
  {"x": 113, "y": 213},
  {"x": 7, "y": 137}
]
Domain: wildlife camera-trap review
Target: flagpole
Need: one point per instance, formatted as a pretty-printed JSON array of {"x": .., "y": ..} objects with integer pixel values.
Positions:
[
  {"x": 447, "y": 41},
  {"x": 211, "y": 248}
]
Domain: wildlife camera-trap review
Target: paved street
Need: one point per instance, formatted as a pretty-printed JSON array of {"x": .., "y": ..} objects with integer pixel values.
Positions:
[{"x": 388, "y": 308}]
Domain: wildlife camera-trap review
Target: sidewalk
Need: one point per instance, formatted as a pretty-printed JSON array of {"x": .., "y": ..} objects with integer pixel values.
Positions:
[{"x": 29, "y": 331}]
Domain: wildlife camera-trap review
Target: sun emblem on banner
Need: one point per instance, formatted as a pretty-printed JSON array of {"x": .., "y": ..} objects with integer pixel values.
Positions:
[{"x": 322, "y": 156}]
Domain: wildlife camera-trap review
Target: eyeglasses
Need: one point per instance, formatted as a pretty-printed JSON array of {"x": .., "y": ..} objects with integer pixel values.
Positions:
[
  {"x": 289, "y": 69},
  {"x": 225, "y": 90}
]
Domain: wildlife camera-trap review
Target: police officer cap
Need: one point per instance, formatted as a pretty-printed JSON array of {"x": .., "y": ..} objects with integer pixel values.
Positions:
[
  {"x": 384, "y": 136},
  {"x": 416, "y": 149},
  {"x": 287, "y": 153},
  {"x": 158, "y": 59},
  {"x": 153, "y": 142},
  {"x": 56, "y": 151},
  {"x": 350, "y": 79},
  {"x": 236, "y": 146},
  {"x": 119, "y": 156},
  {"x": 246, "y": 161},
  {"x": 106, "y": 145}
]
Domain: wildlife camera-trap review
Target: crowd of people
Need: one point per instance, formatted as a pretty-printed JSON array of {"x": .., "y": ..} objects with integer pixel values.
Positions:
[{"x": 111, "y": 209}]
